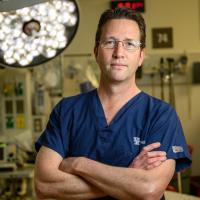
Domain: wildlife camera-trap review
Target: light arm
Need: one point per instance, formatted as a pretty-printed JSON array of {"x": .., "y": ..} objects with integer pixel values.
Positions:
[
  {"x": 50, "y": 182},
  {"x": 123, "y": 183}
]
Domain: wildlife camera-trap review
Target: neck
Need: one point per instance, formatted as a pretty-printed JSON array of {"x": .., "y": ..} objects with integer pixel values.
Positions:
[
  {"x": 114, "y": 96},
  {"x": 113, "y": 91}
]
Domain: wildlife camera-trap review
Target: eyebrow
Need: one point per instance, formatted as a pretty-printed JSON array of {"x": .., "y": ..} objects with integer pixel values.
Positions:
[{"x": 127, "y": 39}]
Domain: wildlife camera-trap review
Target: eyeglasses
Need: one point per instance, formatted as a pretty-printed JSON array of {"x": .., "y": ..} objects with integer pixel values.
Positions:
[{"x": 130, "y": 45}]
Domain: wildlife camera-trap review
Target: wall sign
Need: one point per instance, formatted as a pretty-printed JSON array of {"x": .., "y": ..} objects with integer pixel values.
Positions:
[
  {"x": 162, "y": 37},
  {"x": 134, "y": 4}
]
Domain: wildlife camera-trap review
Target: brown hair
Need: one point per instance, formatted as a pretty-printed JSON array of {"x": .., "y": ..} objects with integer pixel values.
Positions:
[{"x": 122, "y": 13}]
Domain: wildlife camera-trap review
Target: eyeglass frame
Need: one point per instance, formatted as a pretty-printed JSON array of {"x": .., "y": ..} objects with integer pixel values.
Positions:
[{"x": 135, "y": 43}]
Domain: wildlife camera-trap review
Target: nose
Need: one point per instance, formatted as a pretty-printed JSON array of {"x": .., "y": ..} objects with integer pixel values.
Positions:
[{"x": 118, "y": 50}]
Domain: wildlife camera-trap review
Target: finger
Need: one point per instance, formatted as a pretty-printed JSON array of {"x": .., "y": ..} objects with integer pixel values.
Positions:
[
  {"x": 156, "y": 154},
  {"x": 145, "y": 161},
  {"x": 139, "y": 161},
  {"x": 151, "y": 154},
  {"x": 152, "y": 146},
  {"x": 155, "y": 164},
  {"x": 157, "y": 159},
  {"x": 149, "y": 148},
  {"x": 148, "y": 163}
]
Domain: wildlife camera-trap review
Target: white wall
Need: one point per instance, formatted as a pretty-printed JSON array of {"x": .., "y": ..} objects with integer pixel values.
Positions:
[{"x": 182, "y": 15}]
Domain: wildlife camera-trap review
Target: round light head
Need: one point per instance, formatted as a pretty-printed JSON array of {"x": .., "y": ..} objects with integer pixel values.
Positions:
[{"x": 33, "y": 35}]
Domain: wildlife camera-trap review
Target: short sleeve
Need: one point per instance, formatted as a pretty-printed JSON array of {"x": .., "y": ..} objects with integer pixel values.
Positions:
[
  {"x": 166, "y": 129},
  {"x": 56, "y": 134}
]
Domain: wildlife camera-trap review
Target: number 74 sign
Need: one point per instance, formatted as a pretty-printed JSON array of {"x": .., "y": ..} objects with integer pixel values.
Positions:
[{"x": 162, "y": 37}]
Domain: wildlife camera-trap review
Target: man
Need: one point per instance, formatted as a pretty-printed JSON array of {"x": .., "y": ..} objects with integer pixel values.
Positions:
[{"x": 103, "y": 144}]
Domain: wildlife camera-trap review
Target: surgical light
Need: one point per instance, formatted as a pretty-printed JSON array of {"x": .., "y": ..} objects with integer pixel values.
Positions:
[{"x": 32, "y": 35}]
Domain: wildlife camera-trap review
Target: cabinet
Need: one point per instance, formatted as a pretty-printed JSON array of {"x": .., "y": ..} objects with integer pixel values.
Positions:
[{"x": 15, "y": 100}]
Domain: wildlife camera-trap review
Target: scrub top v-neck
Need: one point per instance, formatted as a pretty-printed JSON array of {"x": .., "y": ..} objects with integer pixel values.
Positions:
[
  {"x": 99, "y": 112},
  {"x": 78, "y": 127}
]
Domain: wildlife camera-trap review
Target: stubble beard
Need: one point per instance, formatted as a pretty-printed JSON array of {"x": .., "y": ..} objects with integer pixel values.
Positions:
[{"x": 116, "y": 75}]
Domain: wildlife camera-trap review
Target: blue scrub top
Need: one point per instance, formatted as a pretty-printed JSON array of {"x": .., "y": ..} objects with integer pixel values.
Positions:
[{"x": 77, "y": 127}]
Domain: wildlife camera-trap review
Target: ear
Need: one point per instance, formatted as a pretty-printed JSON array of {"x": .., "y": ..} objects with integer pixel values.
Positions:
[
  {"x": 142, "y": 54},
  {"x": 96, "y": 52}
]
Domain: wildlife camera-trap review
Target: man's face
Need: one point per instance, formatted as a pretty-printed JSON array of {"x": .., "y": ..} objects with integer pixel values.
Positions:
[{"x": 119, "y": 64}]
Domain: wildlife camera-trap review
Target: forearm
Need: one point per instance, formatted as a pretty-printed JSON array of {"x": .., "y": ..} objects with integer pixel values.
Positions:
[
  {"x": 115, "y": 181},
  {"x": 121, "y": 183},
  {"x": 51, "y": 182},
  {"x": 65, "y": 186}
]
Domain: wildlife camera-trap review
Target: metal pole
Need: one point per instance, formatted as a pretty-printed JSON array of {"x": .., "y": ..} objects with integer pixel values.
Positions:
[{"x": 172, "y": 102}]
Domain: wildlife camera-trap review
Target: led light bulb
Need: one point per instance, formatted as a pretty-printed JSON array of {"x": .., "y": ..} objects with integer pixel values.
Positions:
[
  {"x": 49, "y": 52},
  {"x": 10, "y": 61},
  {"x": 52, "y": 14},
  {"x": 2, "y": 35},
  {"x": 72, "y": 21},
  {"x": 23, "y": 62},
  {"x": 4, "y": 46}
]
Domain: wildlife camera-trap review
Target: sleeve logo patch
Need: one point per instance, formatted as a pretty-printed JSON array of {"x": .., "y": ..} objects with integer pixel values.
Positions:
[{"x": 177, "y": 149}]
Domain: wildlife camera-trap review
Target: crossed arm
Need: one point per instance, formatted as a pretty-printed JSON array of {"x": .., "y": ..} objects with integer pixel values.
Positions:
[
  {"x": 51, "y": 182},
  {"x": 82, "y": 178}
]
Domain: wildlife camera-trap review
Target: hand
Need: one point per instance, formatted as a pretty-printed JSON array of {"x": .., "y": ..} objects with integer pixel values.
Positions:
[{"x": 148, "y": 159}]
